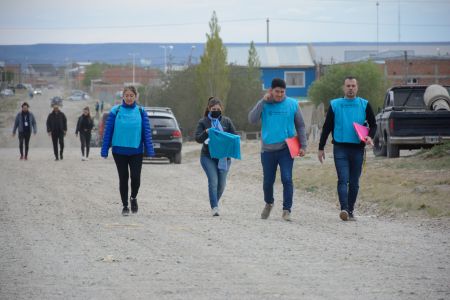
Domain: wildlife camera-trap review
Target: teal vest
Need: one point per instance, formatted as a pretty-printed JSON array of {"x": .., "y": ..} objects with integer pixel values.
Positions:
[
  {"x": 127, "y": 127},
  {"x": 278, "y": 121},
  {"x": 347, "y": 111}
]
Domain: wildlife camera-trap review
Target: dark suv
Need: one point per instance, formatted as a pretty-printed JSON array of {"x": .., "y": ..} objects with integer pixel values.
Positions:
[{"x": 166, "y": 134}]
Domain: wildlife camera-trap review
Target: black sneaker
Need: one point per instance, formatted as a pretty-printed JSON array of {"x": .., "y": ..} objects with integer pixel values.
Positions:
[
  {"x": 134, "y": 205},
  {"x": 125, "y": 211}
]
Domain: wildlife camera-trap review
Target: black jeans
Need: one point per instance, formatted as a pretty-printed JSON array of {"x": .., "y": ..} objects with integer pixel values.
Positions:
[
  {"x": 55, "y": 138},
  {"x": 24, "y": 136},
  {"x": 85, "y": 139},
  {"x": 134, "y": 163}
]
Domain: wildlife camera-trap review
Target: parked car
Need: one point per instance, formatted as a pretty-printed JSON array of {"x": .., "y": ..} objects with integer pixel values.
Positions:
[
  {"x": 56, "y": 100},
  {"x": 75, "y": 97},
  {"x": 166, "y": 134},
  {"x": 37, "y": 92},
  {"x": 6, "y": 92},
  {"x": 78, "y": 95},
  {"x": 20, "y": 86},
  {"x": 406, "y": 122}
]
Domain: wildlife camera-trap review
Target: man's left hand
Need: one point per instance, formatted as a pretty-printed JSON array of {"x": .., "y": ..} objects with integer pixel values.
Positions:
[
  {"x": 369, "y": 141},
  {"x": 301, "y": 152}
]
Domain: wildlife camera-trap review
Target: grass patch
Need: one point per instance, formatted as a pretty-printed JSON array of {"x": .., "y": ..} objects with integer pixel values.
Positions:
[{"x": 415, "y": 185}]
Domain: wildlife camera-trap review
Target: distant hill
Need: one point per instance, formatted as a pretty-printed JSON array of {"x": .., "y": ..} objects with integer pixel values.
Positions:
[
  {"x": 147, "y": 54},
  {"x": 112, "y": 53},
  {"x": 60, "y": 54}
]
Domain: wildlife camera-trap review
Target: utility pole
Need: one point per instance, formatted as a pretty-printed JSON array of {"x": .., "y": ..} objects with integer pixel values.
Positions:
[
  {"x": 267, "y": 30},
  {"x": 134, "y": 56},
  {"x": 165, "y": 56},
  {"x": 399, "y": 20},
  {"x": 378, "y": 31}
]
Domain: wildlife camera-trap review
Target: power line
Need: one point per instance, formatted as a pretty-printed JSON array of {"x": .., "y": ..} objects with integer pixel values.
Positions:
[{"x": 222, "y": 21}]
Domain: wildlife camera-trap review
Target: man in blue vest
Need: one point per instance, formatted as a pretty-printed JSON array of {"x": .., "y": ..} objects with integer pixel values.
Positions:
[
  {"x": 348, "y": 149},
  {"x": 281, "y": 118}
]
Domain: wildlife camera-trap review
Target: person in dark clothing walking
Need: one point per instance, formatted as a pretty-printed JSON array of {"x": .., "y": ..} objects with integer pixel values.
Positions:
[
  {"x": 216, "y": 169},
  {"x": 57, "y": 128},
  {"x": 348, "y": 149},
  {"x": 84, "y": 128},
  {"x": 24, "y": 123},
  {"x": 128, "y": 131}
]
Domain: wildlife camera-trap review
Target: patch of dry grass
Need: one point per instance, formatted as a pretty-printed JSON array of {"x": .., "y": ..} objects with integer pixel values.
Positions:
[{"x": 415, "y": 185}]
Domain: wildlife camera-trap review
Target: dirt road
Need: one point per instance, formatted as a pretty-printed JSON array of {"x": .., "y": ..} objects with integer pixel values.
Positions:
[{"x": 63, "y": 236}]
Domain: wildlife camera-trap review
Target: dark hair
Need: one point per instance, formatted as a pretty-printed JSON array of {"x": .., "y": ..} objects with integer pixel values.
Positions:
[
  {"x": 88, "y": 110},
  {"x": 25, "y": 104},
  {"x": 350, "y": 78},
  {"x": 278, "y": 82},
  {"x": 211, "y": 102},
  {"x": 129, "y": 88}
]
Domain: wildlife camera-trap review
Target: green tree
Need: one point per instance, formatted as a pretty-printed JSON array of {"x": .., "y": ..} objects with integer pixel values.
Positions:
[
  {"x": 246, "y": 88},
  {"x": 179, "y": 93},
  {"x": 93, "y": 71},
  {"x": 371, "y": 84},
  {"x": 212, "y": 72}
]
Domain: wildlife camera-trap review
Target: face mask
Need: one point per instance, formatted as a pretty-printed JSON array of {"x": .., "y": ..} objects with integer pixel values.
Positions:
[{"x": 215, "y": 114}]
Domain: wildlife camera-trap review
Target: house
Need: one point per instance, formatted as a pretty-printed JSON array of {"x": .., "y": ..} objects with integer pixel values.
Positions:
[{"x": 293, "y": 63}]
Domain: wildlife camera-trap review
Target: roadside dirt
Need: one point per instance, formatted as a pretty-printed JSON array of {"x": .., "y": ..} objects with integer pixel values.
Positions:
[{"x": 63, "y": 236}]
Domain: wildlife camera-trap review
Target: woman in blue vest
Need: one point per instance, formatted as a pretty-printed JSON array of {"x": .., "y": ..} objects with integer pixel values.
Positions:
[
  {"x": 216, "y": 170},
  {"x": 128, "y": 132},
  {"x": 281, "y": 118},
  {"x": 348, "y": 150}
]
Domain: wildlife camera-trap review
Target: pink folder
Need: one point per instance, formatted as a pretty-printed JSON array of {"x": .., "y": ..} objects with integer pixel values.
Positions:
[
  {"x": 293, "y": 145},
  {"x": 361, "y": 131}
]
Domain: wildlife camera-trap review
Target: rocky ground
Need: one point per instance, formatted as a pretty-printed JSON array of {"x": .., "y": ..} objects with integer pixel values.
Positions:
[{"x": 63, "y": 236}]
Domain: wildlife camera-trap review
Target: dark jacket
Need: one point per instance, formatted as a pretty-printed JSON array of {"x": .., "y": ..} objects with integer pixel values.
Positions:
[
  {"x": 18, "y": 123},
  {"x": 84, "y": 124},
  {"x": 204, "y": 123},
  {"x": 56, "y": 122}
]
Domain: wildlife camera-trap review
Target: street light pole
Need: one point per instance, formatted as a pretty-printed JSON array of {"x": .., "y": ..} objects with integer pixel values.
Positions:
[
  {"x": 165, "y": 56},
  {"x": 134, "y": 55}
]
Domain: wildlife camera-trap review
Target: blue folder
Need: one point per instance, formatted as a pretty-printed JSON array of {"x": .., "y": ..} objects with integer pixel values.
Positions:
[{"x": 223, "y": 144}]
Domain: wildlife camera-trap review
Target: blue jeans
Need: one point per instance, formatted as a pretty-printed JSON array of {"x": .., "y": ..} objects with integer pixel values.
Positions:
[
  {"x": 270, "y": 162},
  {"x": 348, "y": 161},
  {"x": 217, "y": 179}
]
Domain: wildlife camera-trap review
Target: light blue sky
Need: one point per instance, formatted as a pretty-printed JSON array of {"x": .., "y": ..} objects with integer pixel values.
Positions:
[{"x": 100, "y": 21}]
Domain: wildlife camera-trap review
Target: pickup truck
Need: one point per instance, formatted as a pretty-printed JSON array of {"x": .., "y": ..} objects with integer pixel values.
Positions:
[{"x": 406, "y": 122}]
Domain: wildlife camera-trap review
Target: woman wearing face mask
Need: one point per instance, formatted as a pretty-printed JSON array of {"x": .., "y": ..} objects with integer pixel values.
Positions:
[
  {"x": 216, "y": 170},
  {"x": 128, "y": 131},
  {"x": 84, "y": 128}
]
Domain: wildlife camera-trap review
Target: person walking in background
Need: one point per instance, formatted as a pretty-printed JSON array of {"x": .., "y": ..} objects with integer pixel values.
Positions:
[
  {"x": 24, "y": 123},
  {"x": 97, "y": 108},
  {"x": 216, "y": 170},
  {"x": 128, "y": 131},
  {"x": 84, "y": 128},
  {"x": 281, "y": 118},
  {"x": 348, "y": 150},
  {"x": 57, "y": 128},
  {"x": 101, "y": 106}
]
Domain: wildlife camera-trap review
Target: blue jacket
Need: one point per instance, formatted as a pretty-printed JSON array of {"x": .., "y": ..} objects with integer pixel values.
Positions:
[{"x": 146, "y": 138}]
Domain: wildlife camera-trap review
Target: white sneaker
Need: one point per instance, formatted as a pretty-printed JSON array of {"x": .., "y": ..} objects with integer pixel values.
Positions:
[
  {"x": 86, "y": 158},
  {"x": 215, "y": 211},
  {"x": 83, "y": 158}
]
